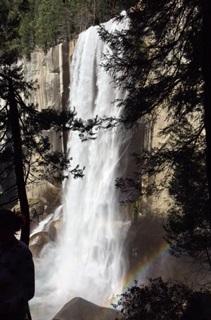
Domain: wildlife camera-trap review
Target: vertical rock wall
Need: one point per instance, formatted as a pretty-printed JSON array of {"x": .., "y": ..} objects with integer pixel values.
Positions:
[{"x": 51, "y": 72}]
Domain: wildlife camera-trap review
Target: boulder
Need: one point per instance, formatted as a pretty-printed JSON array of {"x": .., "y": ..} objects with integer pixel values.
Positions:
[
  {"x": 37, "y": 242},
  {"x": 54, "y": 226},
  {"x": 80, "y": 309}
]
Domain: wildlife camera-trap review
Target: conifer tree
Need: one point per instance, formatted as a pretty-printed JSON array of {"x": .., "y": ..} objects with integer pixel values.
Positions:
[
  {"x": 25, "y": 150},
  {"x": 162, "y": 61}
]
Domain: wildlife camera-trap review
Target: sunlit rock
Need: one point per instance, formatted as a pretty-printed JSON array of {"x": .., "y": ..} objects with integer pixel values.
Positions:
[{"x": 37, "y": 242}]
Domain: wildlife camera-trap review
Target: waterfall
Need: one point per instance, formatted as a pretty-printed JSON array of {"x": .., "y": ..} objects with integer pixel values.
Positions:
[{"x": 87, "y": 259}]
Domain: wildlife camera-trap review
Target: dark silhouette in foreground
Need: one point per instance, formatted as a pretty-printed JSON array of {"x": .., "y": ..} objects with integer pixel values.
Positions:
[{"x": 16, "y": 269}]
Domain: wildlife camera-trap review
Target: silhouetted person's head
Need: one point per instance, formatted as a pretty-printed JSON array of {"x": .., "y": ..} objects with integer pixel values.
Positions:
[{"x": 10, "y": 223}]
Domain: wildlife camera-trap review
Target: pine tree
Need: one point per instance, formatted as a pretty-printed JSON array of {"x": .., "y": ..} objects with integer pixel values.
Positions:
[
  {"x": 25, "y": 148},
  {"x": 162, "y": 61}
]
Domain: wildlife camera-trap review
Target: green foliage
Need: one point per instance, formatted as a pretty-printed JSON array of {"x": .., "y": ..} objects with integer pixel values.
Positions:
[
  {"x": 48, "y": 22},
  {"x": 48, "y": 17},
  {"x": 38, "y": 159},
  {"x": 159, "y": 300},
  {"x": 160, "y": 60},
  {"x": 164, "y": 300},
  {"x": 24, "y": 131},
  {"x": 188, "y": 224},
  {"x": 10, "y": 17},
  {"x": 33, "y": 126},
  {"x": 154, "y": 60},
  {"x": 27, "y": 30}
]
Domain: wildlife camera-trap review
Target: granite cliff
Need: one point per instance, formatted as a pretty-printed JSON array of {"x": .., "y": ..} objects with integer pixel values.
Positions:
[{"x": 51, "y": 72}]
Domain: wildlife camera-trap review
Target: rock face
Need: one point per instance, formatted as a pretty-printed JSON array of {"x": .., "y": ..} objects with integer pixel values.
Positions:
[
  {"x": 80, "y": 309},
  {"x": 51, "y": 73}
]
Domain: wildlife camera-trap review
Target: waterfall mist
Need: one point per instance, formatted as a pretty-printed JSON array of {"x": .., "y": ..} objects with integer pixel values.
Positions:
[{"x": 87, "y": 259}]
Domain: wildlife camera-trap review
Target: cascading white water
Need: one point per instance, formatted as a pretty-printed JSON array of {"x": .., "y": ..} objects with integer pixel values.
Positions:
[{"x": 87, "y": 260}]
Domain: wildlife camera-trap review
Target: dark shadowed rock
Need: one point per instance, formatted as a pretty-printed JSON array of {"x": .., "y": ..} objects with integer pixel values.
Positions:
[{"x": 80, "y": 309}]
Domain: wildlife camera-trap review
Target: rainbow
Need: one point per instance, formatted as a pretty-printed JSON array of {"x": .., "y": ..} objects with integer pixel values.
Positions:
[{"x": 143, "y": 269}]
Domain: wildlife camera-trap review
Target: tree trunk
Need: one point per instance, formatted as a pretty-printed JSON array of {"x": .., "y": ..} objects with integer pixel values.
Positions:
[
  {"x": 206, "y": 68},
  {"x": 18, "y": 162}
]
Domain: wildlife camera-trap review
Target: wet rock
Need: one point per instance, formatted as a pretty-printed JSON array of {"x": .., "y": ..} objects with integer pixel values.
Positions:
[
  {"x": 37, "y": 242},
  {"x": 53, "y": 229}
]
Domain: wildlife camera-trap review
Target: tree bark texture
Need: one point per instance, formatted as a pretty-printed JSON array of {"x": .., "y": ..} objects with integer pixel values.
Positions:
[
  {"x": 206, "y": 68},
  {"x": 18, "y": 162}
]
